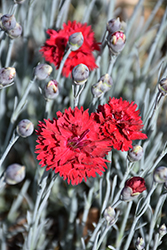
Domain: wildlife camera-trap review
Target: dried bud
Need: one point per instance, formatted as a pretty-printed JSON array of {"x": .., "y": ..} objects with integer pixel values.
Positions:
[
  {"x": 16, "y": 32},
  {"x": 162, "y": 86},
  {"x": 42, "y": 71},
  {"x": 109, "y": 215},
  {"x": 116, "y": 42},
  {"x": 7, "y": 22},
  {"x": 162, "y": 230},
  {"x": 75, "y": 41},
  {"x": 14, "y": 174},
  {"x": 51, "y": 90},
  {"x": 135, "y": 153},
  {"x": 7, "y": 76},
  {"x": 80, "y": 74},
  {"x": 102, "y": 86},
  {"x": 25, "y": 128},
  {"x": 140, "y": 244},
  {"x": 160, "y": 174},
  {"x": 133, "y": 187},
  {"x": 114, "y": 25}
]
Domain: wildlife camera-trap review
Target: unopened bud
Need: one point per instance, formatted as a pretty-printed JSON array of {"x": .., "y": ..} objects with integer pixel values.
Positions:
[
  {"x": 7, "y": 22},
  {"x": 109, "y": 215},
  {"x": 135, "y": 153},
  {"x": 25, "y": 128},
  {"x": 42, "y": 71},
  {"x": 15, "y": 32},
  {"x": 75, "y": 41},
  {"x": 140, "y": 244},
  {"x": 160, "y": 174},
  {"x": 114, "y": 25},
  {"x": 116, "y": 42},
  {"x": 133, "y": 187},
  {"x": 14, "y": 174},
  {"x": 80, "y": 74},
  {"x": 102, "y": 86},
  {"x": 51, "y": 90},
  {"x": 162, "y": 230},
  {"x": 7, "y": 76},
  {"x": 162, "y": 86}
]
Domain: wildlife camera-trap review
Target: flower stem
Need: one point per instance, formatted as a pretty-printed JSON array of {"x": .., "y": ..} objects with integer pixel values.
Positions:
[
  {"x": 11, "y": 143},
  {"x": 62, "y": 64}
]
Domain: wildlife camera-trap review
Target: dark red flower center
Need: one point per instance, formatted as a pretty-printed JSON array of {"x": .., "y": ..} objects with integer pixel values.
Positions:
[{"x": 78, "y": 141}]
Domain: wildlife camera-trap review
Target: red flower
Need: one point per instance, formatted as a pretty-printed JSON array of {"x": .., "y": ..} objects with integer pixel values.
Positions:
[
  {"x": 54, "y": 48},
  {"x": 70, "y": 145},
  {"x": 133, "y": 187},
  {"x": 137, "y": 184},
  {"x": 120, "y": 121}
]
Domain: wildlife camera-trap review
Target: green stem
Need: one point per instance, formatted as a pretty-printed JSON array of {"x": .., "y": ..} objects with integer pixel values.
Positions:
[
  {"x": 11, "y": 143},
  {"x": 62, "y": 64}
]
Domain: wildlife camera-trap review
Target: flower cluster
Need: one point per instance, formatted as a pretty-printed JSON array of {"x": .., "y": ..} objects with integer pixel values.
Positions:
[
  {"x": 75, "y": 143},
  {"x": 54, "y": 47}
]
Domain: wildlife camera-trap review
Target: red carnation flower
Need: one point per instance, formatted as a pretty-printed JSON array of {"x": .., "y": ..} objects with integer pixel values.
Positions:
[
  {"x": 120, "y": 121},
  {"x": 137, "y": 184},
  {"x": 133, "y": 187},
  {"x": 70, "y": 145},
  {"x": 54, "y": 48}
]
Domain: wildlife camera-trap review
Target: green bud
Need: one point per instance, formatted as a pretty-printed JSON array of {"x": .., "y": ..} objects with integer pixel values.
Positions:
[
  {"x": 15, "y": 32},
  {"x": 7, "y": 76},
  {"x": 140, "y": 244},
  {"x": 14, "y": 174},
  {"x": 80, "y": 74},
  {"x": 103, "y": 85},
  {"x": 135, "y": 153},
  {"x": 160, "y": 174},
  {"x": 42, "y": 71},
  {"x": 109, "y": 215},
  {"x": 116, "y": 42},
  {"x": 75, "y": 41},
  {"x": 162, "y": 230},
  {"x": 162, "y": 86},
  {"x": 51, "y": 90},
  {"x": 25, "y": 128},
  {"x": 7, "y": 22}
]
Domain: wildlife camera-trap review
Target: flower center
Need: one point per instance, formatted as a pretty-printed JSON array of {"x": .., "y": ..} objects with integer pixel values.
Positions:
[{"x": 78, "y": 141}]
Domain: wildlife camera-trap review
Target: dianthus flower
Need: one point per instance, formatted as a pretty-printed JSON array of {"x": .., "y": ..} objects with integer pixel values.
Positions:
[
  {"x": 70, "y": 145},
  {"x": 120, "y": 121},
  {"x": 54, "y": 47}
]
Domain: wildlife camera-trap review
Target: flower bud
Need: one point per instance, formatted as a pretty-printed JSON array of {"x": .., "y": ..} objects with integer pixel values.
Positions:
[
  {"x": 14, "y": 174},
  {"x": 75, "y": 41},
  {"x": 162, "y": 230},
  {"x": 102, "y": 86},
  {"x": 160, "y": 174},
  {"x": 116, "y": 42},
  {"x": 162, "y": 86},
  {"x": 7, "y": 22},
  {"x": 109, "y": 215},
  {"x": 133, "y": 187},
  {"x": 42, "y": 71},
  {"x": 114, "y": 25},
  {"x": 15, "y": 32},
  {"x": 80, "y": 74},
  {"x": 25, "y": 128},
  {"x": 7, "y": 76},
  {"x": 51, "y": 90},
  {"x": 140, "y": 244},
  {"x": 135, "y": 153}
]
